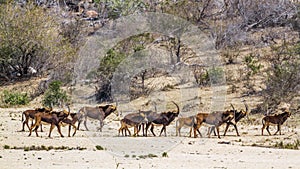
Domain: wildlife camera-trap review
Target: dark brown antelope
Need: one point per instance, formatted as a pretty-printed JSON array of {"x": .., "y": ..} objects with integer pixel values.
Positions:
[
  {"x": 278, "y": 119},
  {"x": 164, "y": 119},
  {"x": 237, "y": 117}
]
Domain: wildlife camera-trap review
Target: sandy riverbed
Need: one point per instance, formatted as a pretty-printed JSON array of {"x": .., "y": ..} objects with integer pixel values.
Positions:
[{"x": 231, "y": 151}]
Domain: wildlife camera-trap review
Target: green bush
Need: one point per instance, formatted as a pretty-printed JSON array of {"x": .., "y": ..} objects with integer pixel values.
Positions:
[
  {"x": 165, "y": 154},
  {"x": 293, "y": 146},
  {"x": 252, "y": 64},
  {"x": 118, "y": 8},
  {"x": 29, "y": 36},
  {"x": 26, "y": 148},
  {"x": 282, "y": 76},
  {"x": 15, "y": 98},
  {"x": 216, "y": 75},
  {"x": 152, "y": 155},
  {"x": 111, "y": 61},
  {"x": 98, "y": 147},
  {"x": 6, "y": 147},
  {"x": 54, "y": 96}
]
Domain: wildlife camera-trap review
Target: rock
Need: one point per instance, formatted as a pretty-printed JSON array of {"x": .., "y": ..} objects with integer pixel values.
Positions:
[{"x": 91, "y": 14}]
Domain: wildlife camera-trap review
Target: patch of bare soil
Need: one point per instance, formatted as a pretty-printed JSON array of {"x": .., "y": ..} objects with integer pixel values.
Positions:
[{"x": 250, "y": 150}]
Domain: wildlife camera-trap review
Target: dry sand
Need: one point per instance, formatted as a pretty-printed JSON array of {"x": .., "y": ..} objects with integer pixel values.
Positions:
[{"x": 133, "y": 152}]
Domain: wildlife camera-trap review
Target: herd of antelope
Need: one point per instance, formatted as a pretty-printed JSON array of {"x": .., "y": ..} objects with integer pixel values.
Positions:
[{"x": 142, "y": 120}]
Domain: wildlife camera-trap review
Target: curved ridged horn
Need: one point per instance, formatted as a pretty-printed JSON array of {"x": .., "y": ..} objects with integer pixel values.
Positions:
[
  {"x": 176, "y": 106},
  {"x": 68, "y": 106},
  {"x": 247, "y": 109},
  {"x": 117, "y": 103},
  {"x": 246, "y": 106},
  {"x": 155, "y": 108},
  {"x": 232, "y": 107}
]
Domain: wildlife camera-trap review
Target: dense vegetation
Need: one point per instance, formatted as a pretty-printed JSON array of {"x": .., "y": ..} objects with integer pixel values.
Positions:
[
  {"x": 30, "y": 42},
  {"x": 36, "y": 39}
]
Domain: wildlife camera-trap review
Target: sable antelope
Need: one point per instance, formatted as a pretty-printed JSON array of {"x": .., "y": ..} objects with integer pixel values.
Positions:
[
  {"x": 71, "y": 122},
  {"x": 186, "y": 121},
  {"x": 53, "y": 118},
  {"x": 216, "y": 119},
  {"x": 132, "y": 120},
  {"x": 278, "y": 119},
  {"x": 164, "y": 118},
  {"x": 29, "y": 115},
  {"x": 237, "y": 117},
  {"x": 99, "y": 113}
]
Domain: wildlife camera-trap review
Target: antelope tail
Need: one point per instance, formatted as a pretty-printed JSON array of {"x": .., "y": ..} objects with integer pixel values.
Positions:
[
  {"x": 22, "y": 116},
  {"x": 263, "y": 121}
]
